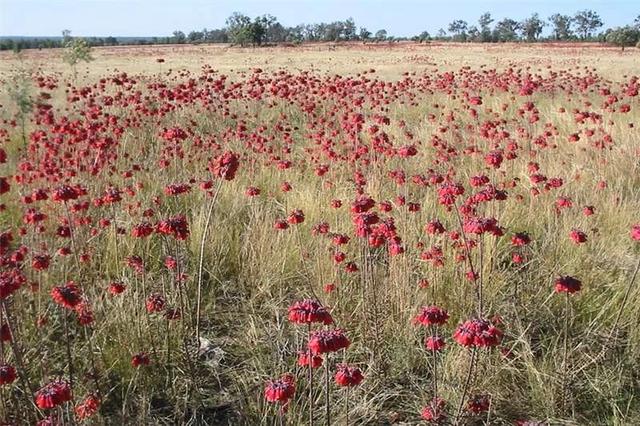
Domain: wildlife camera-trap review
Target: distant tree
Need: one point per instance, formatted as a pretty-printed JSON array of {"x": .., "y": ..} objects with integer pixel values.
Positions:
[
  {"x": 195, "y": 36},
  {"x": 111, "y": 41},
  {"x": 349, "y": 30},
  {"x": 561, "y": 26},
  {"x": 623, "y": 36},
  {"x": 240, "y": 29},
  {"x": 636, "y": 23},
  {"x": 506, "y": 30},
  {"x": 381, "y": 35},
  {"x": 365, "y": 34},
  {"x": 474, "y": 34},
  {"x": 442, "y": 34},
  {"x": 178, "y": 37},
  {"x": 66, "y": 36},
  {"x": 424, "y": 36},
  {"x": 586, "y": 22},
  {"x": 485, "y": 21},
  {"x": 459, "y": 29},
  {"x": 531, "y": 28}
]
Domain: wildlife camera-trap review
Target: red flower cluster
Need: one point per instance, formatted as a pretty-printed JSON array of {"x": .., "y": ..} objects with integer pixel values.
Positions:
[
  {"x": 478, "y": 332},
  {"x": 280, "y": 390},
  {"x": 53, "y": 394},
  {"x": 435, "y": 411},
  {"x": 7, "y": 374},
  {"x": 68, "y": 295},
  {"x": 176, "y": 226},
  {"x": 348, "y": 376},
  {"x": 431, "y": 315},
  {"x": 303, "y": 360},
  {"x": 567, "y": 284},
  {"x": 309, "y": 311},
  {"x": 88, "y": 407},
  {"x": 140, "y": 359},
  {"x": 225, "y": 166},
  {"x": 323, "y": 341}
]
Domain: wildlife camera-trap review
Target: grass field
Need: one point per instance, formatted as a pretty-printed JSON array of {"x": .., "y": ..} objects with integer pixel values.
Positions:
[{"x": 194, "y": 200}]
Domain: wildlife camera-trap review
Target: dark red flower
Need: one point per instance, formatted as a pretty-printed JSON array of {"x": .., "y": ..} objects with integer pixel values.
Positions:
[
  {"x": 323, "y": 341},
  {"x": 479, "y": 404},
  {"x": 348, "y": 376},
  {"x": 431, "y": 315},
  {"x": 434, "y": 343},
  {"x": 309, "y": 311},
  {"x": 140, "y": 359},
  {"x": 53, "y": 394},
  {"x": 225, "y": 166},
  {"x": 68, "y": 295},
  {"x": 567, "y": 284},
  {"x": 478, "y": 332},
  {"x": 435, "y": 411},
  {"x": 303, "y": 359},
  {"x": 7, "y": 374},
  {"x": 280, "y": 390}
]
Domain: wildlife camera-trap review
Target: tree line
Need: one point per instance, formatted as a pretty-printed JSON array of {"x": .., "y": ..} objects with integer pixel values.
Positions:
[{"x": 242, "y": 30}]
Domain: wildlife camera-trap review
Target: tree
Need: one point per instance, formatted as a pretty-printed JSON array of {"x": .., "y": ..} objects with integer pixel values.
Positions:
[
  {"x": 561, "y": 26},
  {"x": 75, "y": 51},
  {"x": 636, "y": 23},
  {"x": 381, "y": 35},
  {"x": 586, "y": 21},
  {"x": 178, "y": 37},
  {"x": 474, "y": 34},
  {"x": 623, "y": 36},
  {"x": 485, "y": 31},
  {"x": 531, "y": 27},
  {"x": 459, "y": 29},
  {"x": 349, "y": 30},
  {"x": 195, "y": 36},
  {"x": 240, "y": 29},
  {"x": 424, "y": 36},
  {"x": 365, "y": 34},
  {"x": 506, "y": 30}
]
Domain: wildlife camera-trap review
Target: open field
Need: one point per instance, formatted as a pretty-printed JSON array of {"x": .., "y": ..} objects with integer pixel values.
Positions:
[{"x": 466, "y": 214}]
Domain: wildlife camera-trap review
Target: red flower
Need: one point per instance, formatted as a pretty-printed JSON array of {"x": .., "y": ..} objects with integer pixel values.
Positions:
[
  {"x": 116, "y": 288},
  {"x": 435, "y": 411},
  {"x": 280, "y": 390},
  {"x": 520, "y": 239},
  {"x": 431, "y": 315},
  {"x": 40, "y": 262},
  {"x": 176, "y": 226},
  {"x": 225, "y": 166},
  {"x": 7, "y": 374},
  {"x": 348, "y": 376},
  {"x": 296, "y": 217},
  {"x": 68, "y": 295},
  {"x": 10, "y": 281},
  {"x": 578, "y": 236},
  {"x": 65, "y": 193},
  {"x": 635, "y": 232},
  {"x": 88, "y": 407},
  {"x": 478, "y": 332},
  {"x": 434, "y": 343},
  {"x": 155, "y": 303},
  {"x": 140, "y": 359},
  {"x": 53, "y": 394},
  {"x": 303, "y": 360},
  {"x": 567, "y": 284},
  {"x": 309, "y": 311},
  {"x": 281, "y": 224},
  {"x": 323, "y": 341},
  {"x": 142, "y": 230},
  {"x": 479, "y": 404}
]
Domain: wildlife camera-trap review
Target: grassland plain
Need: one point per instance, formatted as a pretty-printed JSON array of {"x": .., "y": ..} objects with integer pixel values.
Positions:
[{"x": 474, "y": 178}]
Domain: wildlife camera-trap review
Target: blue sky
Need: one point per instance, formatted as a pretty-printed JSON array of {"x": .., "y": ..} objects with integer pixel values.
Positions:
[{"x": 162, "y": 17}]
